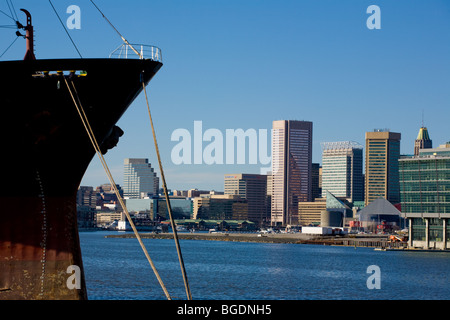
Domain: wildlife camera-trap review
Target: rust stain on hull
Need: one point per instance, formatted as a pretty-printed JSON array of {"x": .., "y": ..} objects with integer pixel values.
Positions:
[{"x": 34, "y": 263}]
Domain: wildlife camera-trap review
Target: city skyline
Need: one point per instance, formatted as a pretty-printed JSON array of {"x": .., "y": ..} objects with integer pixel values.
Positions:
[
  {"x": 220, "y": 183},
  {"x": 243, "y": 64}
]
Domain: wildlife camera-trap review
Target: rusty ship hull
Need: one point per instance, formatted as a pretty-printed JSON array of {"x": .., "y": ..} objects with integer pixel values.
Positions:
[{"x": 45, "y": 153}]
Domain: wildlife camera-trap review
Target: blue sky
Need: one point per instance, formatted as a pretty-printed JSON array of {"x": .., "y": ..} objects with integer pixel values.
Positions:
[{"x": 242, "y": 64}]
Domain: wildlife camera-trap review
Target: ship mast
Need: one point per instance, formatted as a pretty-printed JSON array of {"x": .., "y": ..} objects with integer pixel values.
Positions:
[{"x": 29, "y": 55}]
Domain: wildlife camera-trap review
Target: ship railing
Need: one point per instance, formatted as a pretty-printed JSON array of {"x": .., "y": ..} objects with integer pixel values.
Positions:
[{"x": 137, "y": 51}]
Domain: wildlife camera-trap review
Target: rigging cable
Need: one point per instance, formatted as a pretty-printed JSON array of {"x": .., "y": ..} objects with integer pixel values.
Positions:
[
  {"x": 169, "y": 209},
  {"x": 56, "y": 12},
  {"x": 8, "y": 15},
  {"x": 94, "y": 142},
  {"x": 180, "y": 257},
  {"x": 122, "y": 37},
  {"x": 12, "y": 9},
  {"x": 9, "y": 46}
]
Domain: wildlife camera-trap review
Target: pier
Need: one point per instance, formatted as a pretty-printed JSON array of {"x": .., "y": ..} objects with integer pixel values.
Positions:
[{"x": 373, "y": 241}]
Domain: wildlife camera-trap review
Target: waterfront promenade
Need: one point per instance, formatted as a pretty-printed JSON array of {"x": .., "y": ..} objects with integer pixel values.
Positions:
[{"x": 369, "y": 240}]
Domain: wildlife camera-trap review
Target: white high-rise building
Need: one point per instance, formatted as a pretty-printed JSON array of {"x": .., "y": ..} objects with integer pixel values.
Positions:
[
  {"x": 342, "y": 172},
  {"x": 139, "y": 179}
]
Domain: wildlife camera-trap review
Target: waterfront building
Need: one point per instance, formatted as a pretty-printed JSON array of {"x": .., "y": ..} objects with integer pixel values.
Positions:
[
  {"x": 108, "y": 217},
  {"x": 291, "y": 169},
  {"x": 381, "y": 216},
  {"x": 181, "y": 208},
  {"x": 143, "y": 205},
  {"x": 139, "y": 178},
  {"x": 423, "y": 141},
  {"x": 222, "y": 225},
  {"x": 220, "y": 207},
  {"x": 311, "y": 213},
  {"x": 156, "y": 207},
  {"x": 425, "y": 197},
  {"x": 381, "y": 174},
  {"x": 253, "y": 188},
  {"x": 342, "y": 174}
]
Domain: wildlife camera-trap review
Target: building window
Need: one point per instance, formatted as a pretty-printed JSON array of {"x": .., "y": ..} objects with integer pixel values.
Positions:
[
  {"x": 418, "y": 229},
  {"x": 435, "y": 226},
  {"x": 447, "y": 229}
]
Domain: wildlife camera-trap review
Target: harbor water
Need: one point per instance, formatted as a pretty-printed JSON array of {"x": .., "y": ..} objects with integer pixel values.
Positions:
[{"x": 117, "y": 269}]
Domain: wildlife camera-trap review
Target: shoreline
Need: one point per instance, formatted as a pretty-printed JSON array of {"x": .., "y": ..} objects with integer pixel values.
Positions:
[
  {"x": 378, "y": 242},
  {"x": 289, "y": 238}
]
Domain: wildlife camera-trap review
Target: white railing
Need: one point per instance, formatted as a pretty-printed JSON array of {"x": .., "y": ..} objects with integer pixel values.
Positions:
[{"x": 137, "y": 51}]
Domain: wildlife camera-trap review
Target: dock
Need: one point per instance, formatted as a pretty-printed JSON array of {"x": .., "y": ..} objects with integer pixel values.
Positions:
[{"x": 373, "y": 241}]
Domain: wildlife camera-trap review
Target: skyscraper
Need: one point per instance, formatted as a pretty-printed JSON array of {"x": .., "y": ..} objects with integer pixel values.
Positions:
[
  {"x": 253, "y": 188},
  {"x": 316, "y": 185},
  {"x": 139, "y": 179},
  {"x": 423, "y": 141},
  {"x": 382, "y": 154},
  {"x": 291, "y": 169},
  {"x": 342, "y": 175}
]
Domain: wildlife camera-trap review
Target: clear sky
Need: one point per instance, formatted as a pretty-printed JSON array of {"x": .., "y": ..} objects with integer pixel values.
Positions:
[{"x": 244, "y": 63}]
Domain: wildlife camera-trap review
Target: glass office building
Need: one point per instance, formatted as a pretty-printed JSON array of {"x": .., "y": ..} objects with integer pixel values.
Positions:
[
  {"x": 342, "y": 170},
  {"x": 291, "y": 169},
  {"x": 425, "y": 196}
]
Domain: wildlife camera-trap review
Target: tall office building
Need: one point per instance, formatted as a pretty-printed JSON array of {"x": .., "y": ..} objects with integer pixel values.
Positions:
[
  {"x": 253, "y": 188},
  {"x": 86, "y": 196},
  {"x": 291, "y": 169},
  {"x": 316, "y": 185},
  {"x": 342, "y": 174},
  {"x": 423, "y": 141},
  {"x": 381, "y": 176},
  {"x": 139, "y": 179}
]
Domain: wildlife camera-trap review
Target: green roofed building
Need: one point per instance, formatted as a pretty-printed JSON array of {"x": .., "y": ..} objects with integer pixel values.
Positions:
[
  {"x": 423, "y": 141},
  {"x": 310, "y": 213}
]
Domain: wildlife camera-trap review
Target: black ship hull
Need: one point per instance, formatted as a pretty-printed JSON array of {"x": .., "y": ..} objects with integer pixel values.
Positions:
[{"x": 45, "y": 153}]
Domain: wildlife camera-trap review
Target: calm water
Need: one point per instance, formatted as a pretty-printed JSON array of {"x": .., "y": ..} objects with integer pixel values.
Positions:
[{"x": 117, "y": 269}]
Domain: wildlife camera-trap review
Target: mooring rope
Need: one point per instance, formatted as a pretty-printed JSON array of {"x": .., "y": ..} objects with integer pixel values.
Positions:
[
  {"x": 169, "y": 208},
  {"x": 94, "y": 142}
]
